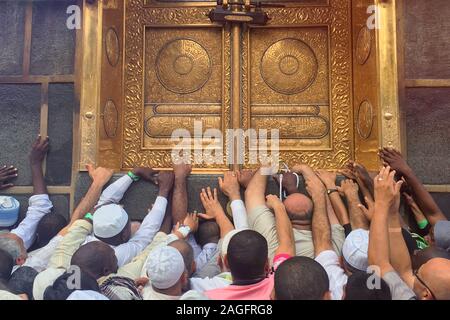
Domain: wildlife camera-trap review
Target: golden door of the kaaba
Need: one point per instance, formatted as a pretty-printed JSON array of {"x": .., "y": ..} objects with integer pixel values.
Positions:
[{"x": 310, "y": 72}]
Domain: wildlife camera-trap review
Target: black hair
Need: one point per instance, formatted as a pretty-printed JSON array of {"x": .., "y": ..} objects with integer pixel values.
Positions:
[
  {"x": 208, "y": 232},
  {"x": 247, "y": 255},
  {"x": 186, "y": 252},
  {"x": 6, "y": 265},
  {"x": 95, "y": 258},
  {"x": 48, "y": 227},
  {"x": 301, "y": 278},
  {"x": 361, "y": 286},
  {"x": 61, "y": 289},
  {"x": 22, "y": 280}
]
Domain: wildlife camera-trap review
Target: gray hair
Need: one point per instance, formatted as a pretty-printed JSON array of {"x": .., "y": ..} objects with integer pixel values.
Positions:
[{"x": 11, "y": 246}]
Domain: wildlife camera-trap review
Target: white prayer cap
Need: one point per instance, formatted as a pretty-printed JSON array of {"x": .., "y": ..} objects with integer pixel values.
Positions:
[
  {"x": 226, "y": 240},
  {"x": 165, "y": 265},
  {"x": 5, "y": 295},
  {"x": 355, "y": 249},
  {"x": 86, "y": 295},
  {"x": 109, "y": 220},
  {"x": 44, "y": 280}
]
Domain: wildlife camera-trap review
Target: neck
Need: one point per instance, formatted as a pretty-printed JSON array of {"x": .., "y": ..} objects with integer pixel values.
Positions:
[
  {"x": 242, "y": 282},
  {"x": 301, "y": 225},
  {"x": 172, "y": 291}
]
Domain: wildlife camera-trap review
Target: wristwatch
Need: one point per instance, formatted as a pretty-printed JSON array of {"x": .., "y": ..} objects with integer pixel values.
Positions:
[{"x": 330, "y": 191}]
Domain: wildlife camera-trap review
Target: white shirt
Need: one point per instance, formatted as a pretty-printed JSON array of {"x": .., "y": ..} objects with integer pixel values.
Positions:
[
  {"x": 38, "y": 206},
  {"x": 336, "y": 275},
  {"x": 205, "y": 284},
  {"x": 208, "y": 251},
  {"x": 148, "y": 228},
  {"x": 39, "y": 259},
  {"x": 239, "y": 214}
]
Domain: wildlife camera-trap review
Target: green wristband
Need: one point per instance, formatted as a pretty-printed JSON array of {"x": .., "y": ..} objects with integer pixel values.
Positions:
[
  {"x": 133, "y": 176},
  {"x": 422, "y": 224},
  {"x": 89, "y": 216}
]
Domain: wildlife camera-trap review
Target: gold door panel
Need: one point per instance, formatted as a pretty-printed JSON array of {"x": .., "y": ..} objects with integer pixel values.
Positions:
[
  {"x": 297, "y": 77},
  {"x": 289, "y": 85},
  {"x": 177, "y": 71}
]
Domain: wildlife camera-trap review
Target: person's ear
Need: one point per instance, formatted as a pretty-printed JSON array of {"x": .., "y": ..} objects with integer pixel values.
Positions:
[
  {"x": 194, "y": 267},
  {"x": 220, "y": 263},
  {"x": 272, "y": 295},
  {"x": 184, "y": 278},
  {"x": 20, "y": 260},
  {"x": 327, "y": 295},
  {"x": 225, "y": 262},
  {"x": 267, "y": 267}
]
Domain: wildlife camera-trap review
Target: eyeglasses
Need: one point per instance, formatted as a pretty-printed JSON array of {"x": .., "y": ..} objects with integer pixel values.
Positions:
[{"x": 416, "y": 274}]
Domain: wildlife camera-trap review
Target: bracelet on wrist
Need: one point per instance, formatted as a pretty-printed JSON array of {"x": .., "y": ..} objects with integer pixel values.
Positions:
[{"x": 133, "y": 176}]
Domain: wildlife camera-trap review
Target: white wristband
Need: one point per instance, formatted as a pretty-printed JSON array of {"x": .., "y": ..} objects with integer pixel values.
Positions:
[{"x": 184, "y": 230}]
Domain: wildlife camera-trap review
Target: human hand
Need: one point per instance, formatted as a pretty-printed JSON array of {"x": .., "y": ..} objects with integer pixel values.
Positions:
[
  {"x": 349, "y": 189},
  {"x": 211, "y": 204},
  {"x": 146, "y": 173},
  {"x": 191, "y": 221},
  {"x": 395, "y": 160},
  {"x": 6, "y": 174},
  {"x": 181, "y": 170},
  {"x": 165, "y": 181},
  {"x": 315, "y": 187},
  {"x": 39, "y": 149},
  {"x": 369, "y": 210},
  {"x": 328, "y": 178},
  {"x": 289, "y": 182},
  {"x": 229, "y": 185},
  {"x": 387, "y": 191},
  {"x": 273, "y": 202},
  {"x": 244, "y": 177},
  {"x": 99, "y": 175}
]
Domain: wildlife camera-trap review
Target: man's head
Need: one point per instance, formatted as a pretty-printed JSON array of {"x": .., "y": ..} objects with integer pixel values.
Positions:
[
  {"x": 13, "y": 244},
  {"x": 21, "y": 281},
  {"x": 96, "y": 259},
  {"x": 112, "y": 225},
  {"x": 166, "y": 270},
  {"x": 299, "y": 208},
  {"x": 6, "y": 265},
  {"x": 357, "y": 287},
  {"x": 48, "y": 227},
  {"x": 208, "y": 232},
  {"x": 421, "y": 257},
  {"x": 432, "y": 280},
  {"x": 247, "y": 256},
  {"x": 301, "y": 278},
  {"x": 355, "y": 251},
  {"x": 442, "y": 234},
  {"x": 187, "y": 253}
]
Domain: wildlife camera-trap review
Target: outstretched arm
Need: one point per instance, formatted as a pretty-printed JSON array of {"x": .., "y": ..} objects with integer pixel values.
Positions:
[
  {"x": 357, "y": 218},
  {"x": 423, "y": 198},
  {"x": 100, "y": 176},
  {"x": 329, "y": 180},
  {"x": 179, "y": 197},
  {"x": 283, "y": 224},
  {"x": 37, "y": 156},
  {"x": 229, "y": 185},
  {"x": 321, "y": 230}
]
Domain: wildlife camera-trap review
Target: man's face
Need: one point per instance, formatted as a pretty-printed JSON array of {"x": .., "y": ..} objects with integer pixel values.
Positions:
[{"x": 19, "y": 241}]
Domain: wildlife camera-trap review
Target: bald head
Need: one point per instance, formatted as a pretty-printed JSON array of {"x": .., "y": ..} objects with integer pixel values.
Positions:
[
  {"x": 187, "y": 252},
  {"x": 299, "y": 207},
  {"x": 95, "y": 258},
  {"x": 436, "y": 274}
]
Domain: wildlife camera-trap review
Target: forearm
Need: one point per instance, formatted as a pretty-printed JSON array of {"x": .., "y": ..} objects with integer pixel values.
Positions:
[
  {"x": 398, "y": 251},
  {"x": 179, "y": 200},
  {"x": 321, "y": 231},
  {"x": 239, "y": 214},
  {"x": 224, "y": 223},
  {"x": 357, "y": 218},
  {"x": 424, "y": 199},
  {"x": 115, "y": 192},
  {"x": 39, "y": 186},
  {"x": 378, "y": 253},
  {"x": 284, "y": 231},
  {"x": 88, "y": 202},
  {"x": 339, "y": 208}
]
